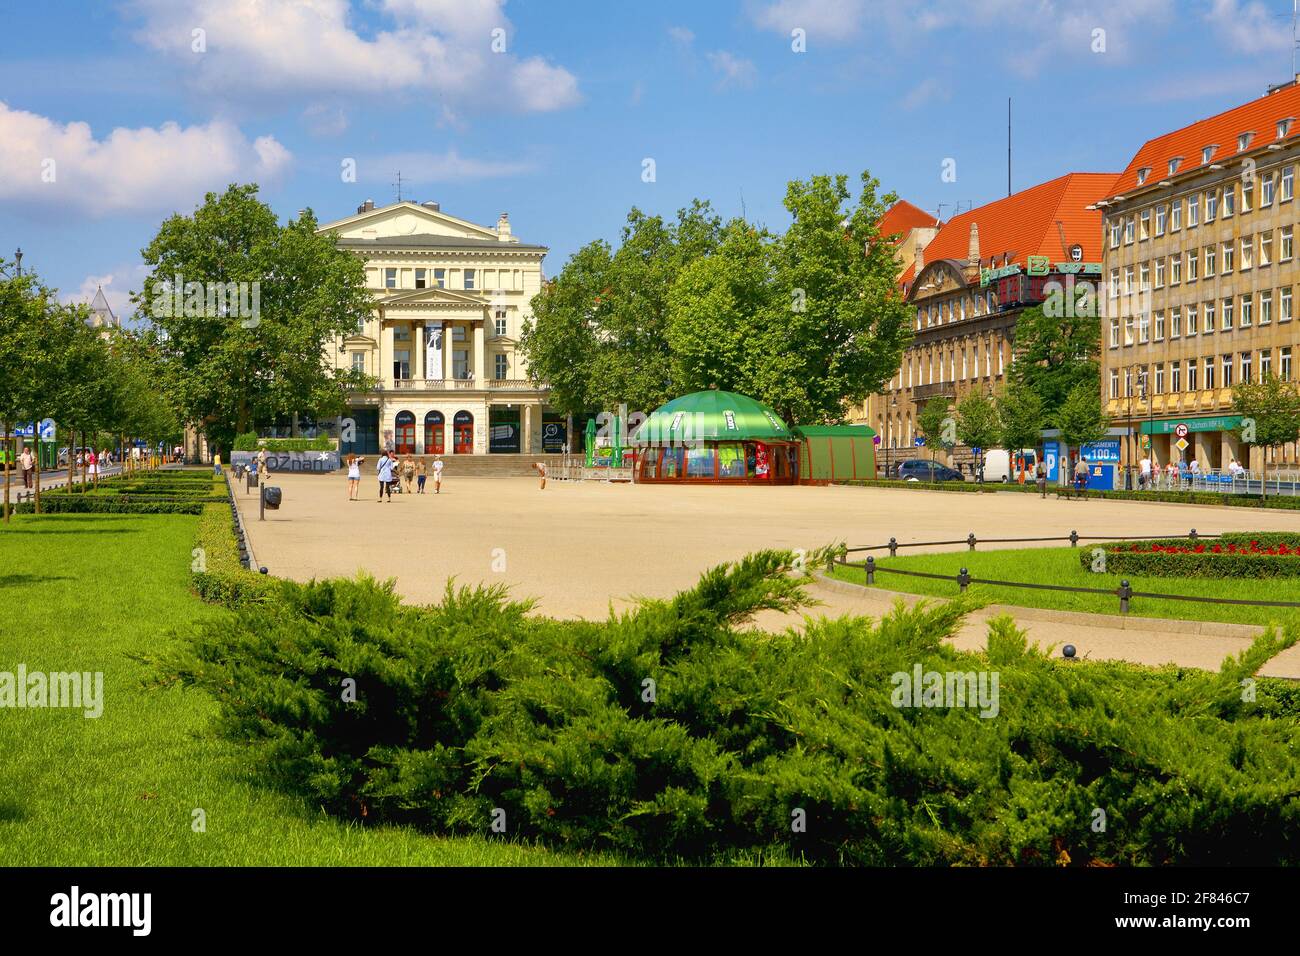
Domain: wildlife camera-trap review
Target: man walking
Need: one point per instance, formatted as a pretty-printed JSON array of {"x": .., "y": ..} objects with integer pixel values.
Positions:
[
  {"x": 1040, "y": 476},
  {"x": 1144, "y": 473},
  {"x": 1080, "y": 476},
  {"x": 28, "y": 465},
  {"x": 437, "y": 474},
  {"x": 384, "y": 468}
]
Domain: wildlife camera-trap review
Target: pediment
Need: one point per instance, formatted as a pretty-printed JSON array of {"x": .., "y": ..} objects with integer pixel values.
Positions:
[
  {"x": 360, "y": 341},
  {"x": 406, "y": 219},
  {"x": 434, "y": 295}
]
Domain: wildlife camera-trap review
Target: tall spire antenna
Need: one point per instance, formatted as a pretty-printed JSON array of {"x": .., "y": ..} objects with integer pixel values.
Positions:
[
  {"x": 1009, "y": 143},
  {"x": 398, "y": 184}
]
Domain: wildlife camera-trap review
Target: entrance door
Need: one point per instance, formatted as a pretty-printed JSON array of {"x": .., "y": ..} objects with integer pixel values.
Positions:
[
  {"x": 404, "y": 439},
  {"x": 463, "y": 433},
  {"x": 433, "y": 433}
]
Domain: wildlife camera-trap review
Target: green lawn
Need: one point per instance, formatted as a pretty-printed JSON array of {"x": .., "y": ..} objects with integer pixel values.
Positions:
[
  {"x": 1061, "y": 566},
  {"x": 81, "y": 592}
]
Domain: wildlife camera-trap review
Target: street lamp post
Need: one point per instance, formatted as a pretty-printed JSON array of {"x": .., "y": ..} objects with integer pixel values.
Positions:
[
  {"x": 1128, "y": 471},
  {"x": 1142, "y": 392},
  {"x": 18, "y": 260}
]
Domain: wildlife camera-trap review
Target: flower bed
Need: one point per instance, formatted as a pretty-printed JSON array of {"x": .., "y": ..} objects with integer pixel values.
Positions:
[{"x": 1237, "y": 555}]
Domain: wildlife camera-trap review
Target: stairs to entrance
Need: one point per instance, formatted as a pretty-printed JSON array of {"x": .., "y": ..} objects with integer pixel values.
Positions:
[{"x": 486, "y": 466}]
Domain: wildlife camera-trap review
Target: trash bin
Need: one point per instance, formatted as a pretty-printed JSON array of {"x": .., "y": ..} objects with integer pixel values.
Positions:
[{"x": 273, "y": 497}]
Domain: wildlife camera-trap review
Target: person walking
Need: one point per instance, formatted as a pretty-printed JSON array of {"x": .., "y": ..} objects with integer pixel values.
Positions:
[
  {"x": 28, "y": 464},
  {"x": 437, "y": 474},
  {"x": 1171, "y": 475},
  {"x": 261, "y": 460},
  {"x": 1040, "y": 477},
  {"x": 420, "y": 475},
  {"x": 1144, "y": 473},
  {"x": 1080, "y": 476},
  {"x": 354, "y": 476},
  {"x": 384, "y": 468},
  {"x": 216, "y": 463},
  {"x": 408, "y": 474}
]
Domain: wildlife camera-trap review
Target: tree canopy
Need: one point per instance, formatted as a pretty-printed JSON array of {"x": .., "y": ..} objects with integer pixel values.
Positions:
[{"x": 1054, "y": 354}]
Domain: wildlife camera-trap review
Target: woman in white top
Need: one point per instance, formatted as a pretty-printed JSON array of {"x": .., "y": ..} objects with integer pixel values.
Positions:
[{"x": 354, "y": 476}]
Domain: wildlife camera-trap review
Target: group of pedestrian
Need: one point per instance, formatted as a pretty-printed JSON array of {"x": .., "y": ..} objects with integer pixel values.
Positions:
[{"x": 395, "y": 474}]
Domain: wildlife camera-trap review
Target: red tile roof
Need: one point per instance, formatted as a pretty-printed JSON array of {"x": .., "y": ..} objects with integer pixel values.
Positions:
[
  {"x": 1024, "y": 223},
  {"x": 902, "y": 217},
  {"x": 1259, "y": 116}
]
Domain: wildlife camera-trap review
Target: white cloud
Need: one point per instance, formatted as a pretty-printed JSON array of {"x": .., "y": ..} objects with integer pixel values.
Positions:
[
  {"x": 732, "y": 70},
  {"x": 425, "y": 167},
  {"x": 682, "y": 36},
  {"x": 146, "y": 169},
  {"x": 325, "y": 120},
  {"x": 312, "y": 47},
  {"x": 924, "y": 92},
  {"x": 1248, "y": 27}
]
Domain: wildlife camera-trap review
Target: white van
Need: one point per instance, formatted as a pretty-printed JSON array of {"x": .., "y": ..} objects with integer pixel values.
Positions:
[{"x": 998, "y": 465}]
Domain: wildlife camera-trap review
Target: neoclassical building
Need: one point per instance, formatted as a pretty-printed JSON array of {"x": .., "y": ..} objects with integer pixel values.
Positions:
[{"x": 451, "y": 298}]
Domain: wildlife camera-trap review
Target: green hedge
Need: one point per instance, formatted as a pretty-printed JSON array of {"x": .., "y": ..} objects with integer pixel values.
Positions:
[
  {"x": 1122, "y": 559},
  {"x": 250, "y": 442},
  {"x": 221, "y": 578},
  {"x": 1281, "y": 503},
  {"x": 55, "y": 503},
  {"x": 674, "y": 732}
]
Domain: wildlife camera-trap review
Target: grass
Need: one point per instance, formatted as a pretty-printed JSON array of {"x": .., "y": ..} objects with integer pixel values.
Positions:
[
  {"x": 1061, "y": 566},
  {"x": 82, "y": 592}
]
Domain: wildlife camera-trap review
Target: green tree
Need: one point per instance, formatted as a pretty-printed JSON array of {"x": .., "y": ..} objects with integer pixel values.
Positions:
[
  {"x": 935, "y": 421},
  {"x": 1270, "y": 411},
  {"x": 22, "y": 304},
  {"x": 1056, "y": 350},
  {"x": 599, "y": 331},
  {"x": 227, "y": 369},
  {"x": 1020, "y": 417},
  {"x": 977, "y": 424},
  {"x": 1081, "y": 418}
]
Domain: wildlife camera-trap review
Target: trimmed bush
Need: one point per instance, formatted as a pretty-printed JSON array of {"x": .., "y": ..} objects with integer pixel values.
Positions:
[
  {"x": 55, "y": 503},
  {"x": 1281, "y": 503},
  {"x": 223, "y": 579},
  {"x": 673, "y": 732},
  {"x": 250, "y": 442},
  {"x": 1231, "y": 555}
]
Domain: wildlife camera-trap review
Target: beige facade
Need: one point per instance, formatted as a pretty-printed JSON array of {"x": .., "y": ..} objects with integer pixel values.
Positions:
[
  {"x": 451, "y": 298},
  {"x": 1202, "y": 269}
]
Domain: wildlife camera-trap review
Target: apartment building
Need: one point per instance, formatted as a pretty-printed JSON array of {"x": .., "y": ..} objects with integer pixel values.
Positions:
[{"x": 1201, "y": 270}]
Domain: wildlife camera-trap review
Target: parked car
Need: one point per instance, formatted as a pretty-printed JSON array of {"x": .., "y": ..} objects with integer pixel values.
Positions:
[
  {"x": 63, "y": 454},
  {"x": 918, "y": 469},
  {"x": 1000, "y": 465}
]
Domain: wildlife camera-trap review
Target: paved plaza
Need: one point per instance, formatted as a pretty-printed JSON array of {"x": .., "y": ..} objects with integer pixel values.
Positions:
[{"x": 581, "y": 548}]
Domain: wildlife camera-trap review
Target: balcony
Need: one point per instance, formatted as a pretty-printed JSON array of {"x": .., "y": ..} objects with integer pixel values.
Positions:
[
  {"x": 464, "y": 385},
  {"x": 934, "y": 390}
]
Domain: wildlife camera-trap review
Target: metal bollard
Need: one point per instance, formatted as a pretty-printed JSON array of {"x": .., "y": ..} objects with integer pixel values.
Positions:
[
  {"x": 1192, "y": 534},
  {"x": 871, "y": 569},
  {"x": 963, "y": 580},
  {"x": 1125, "y": 592},
  {"x": 1074, "y": 539},
  {"x": 970, "y": 541},
  {"x": 893, "y": 548}
]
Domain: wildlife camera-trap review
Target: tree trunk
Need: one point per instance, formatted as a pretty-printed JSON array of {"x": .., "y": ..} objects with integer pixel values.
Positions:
[
  {"x": 5, "y": 444},
  {"x": 84, "y": 464}
]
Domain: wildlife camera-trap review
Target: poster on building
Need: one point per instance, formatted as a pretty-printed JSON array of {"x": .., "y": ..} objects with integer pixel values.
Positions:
[
  {"x": 1106, "y": 450},
  {"x": 433, "y": 351},
  {"x": 555, "y": 437}
]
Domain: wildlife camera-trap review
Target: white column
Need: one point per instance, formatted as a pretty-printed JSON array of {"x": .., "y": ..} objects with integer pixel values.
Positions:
[
  {"x": 417, "y": 346},
  {"x": 480, "y": 356},
  {"x": 386, "y": 353},
  {"x": 526, "y": 446},
  {"x": 446, "y": 352}
]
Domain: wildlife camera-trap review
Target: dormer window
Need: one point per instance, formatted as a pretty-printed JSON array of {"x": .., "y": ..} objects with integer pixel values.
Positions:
[
  {"x": 1174, "y": 164},
  {"x": 1207, "y": 153},
  {"x": 1243, "y": 141},
  {"x": 1284, "y": 127},
  {"x": 1143, "y": 173}
]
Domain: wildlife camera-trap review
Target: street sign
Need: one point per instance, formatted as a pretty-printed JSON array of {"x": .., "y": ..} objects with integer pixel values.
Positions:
[
  {"x": 28, "y": 430},
  {"x": 1181, "y": 444},
  {"x": 920, "y": 442},
  {"x": 875, "y": 439},
  {"x": 1181, "y": 431}
]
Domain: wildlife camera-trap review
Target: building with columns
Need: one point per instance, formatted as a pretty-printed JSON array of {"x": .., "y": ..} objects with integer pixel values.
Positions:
[
  {"x": 969, "y": 285},
  {"x": 451, "y": 298}
]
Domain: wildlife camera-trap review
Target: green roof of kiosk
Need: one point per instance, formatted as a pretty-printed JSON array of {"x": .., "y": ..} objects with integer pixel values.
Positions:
[{"x": 711, "y": 416}]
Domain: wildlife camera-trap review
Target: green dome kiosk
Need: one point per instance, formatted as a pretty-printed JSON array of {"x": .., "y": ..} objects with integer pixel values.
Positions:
[{"x": 715, "y": 437}]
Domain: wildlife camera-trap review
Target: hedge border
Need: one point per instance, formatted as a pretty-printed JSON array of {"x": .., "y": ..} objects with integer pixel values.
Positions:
[
  {"x": 1121, "y": 559},
  {"x": 223, "y": 579},
  {"x": 1220, "y": 499},
  {"x": 250, "y": 442}
]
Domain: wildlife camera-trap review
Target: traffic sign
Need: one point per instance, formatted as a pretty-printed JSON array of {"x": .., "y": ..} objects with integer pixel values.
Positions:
[
  {"x": 1181, "y": 430},
  {"x": 1181, "y": 444},
  {"x": 875, "y": 439},
  {"x": 920, "y": 442}
]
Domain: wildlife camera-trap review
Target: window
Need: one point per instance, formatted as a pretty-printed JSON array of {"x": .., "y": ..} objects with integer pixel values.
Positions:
[
  {"x": 1247, "y": 310},
  {"x": 499, "y": 323},
  {"x": 1267, "y": 186},
  {"x": 1283, "y": 127},
  {"x": 1287, "y": 189},
  {"x": 1128, "y": 329},
  {"x": 1191, "y": 375},
  {"x": 401, "y": 363},
  {"x": 469, "y": 278},
  {"x": 1144, "y": 327},
  {"x": 1160, "y": 380},
  {"x": 1129, "y": 288},
  {"x": 1265, "y": 248},
  {"x": 359, "y": 361},
  {"x": 1193, "y": 210},
  {"x": 1284, "y": 364},
  {"x": 1243, "y": 141},
  {"x": 1114, "y": 283},
  {"x": 499, "y": 365},
  {"x": 1176, "y": 215},
  {"x": 1114, "y": 383},
  {"x": 1191, "y": 320},
  {"x": 1175, "y": 322},
  {"x": 1227, "y": 257},
  {"x": 420, "y": 278},
  {"x": 1175, "y": 269},
  {"x": 1227, "y": 371},
  {"x": 1209, "y": 261},
  {"x": 1174, "y": 164},
  {"x": 1207, "y": 153},
  {"x": 1175, "y": 379},
  {"x": 1229, "y": 201},
  {"x": 1245, "y": 366},
  {"x": 1266, "y": 307},
  {"x": 1265, "y": 363},
  {"x": 390, "y": 278},
  {"x": 1114, "y": 233},
  {"x": 1162, "y": 218},
  {"x": 1193, "y": 265},
  {"x": 1128, "y": 382},
  {"x": 440, "y": 278},
  {"x": 1208, "y": 367},
  {"x": 1144, "y": 225},
  {"x": 1160, "y": 273},
  {"x": 1226, "y": 315},
  {"x": 1143, "y": 173},
  {"x": 1286, "y": 244},
  {"x": 1114, "y": 333},
  {"x": 1144, "y": 277},
  {"x": 1207, "y": 322},
  {"x": 1284, "y": 305},
  {"x": 1211, "y": 205},
  {"x": 1128, "y": 231},
  {"x": 1159, "y": 317},
  {"x": 1247, "y": 191},
  {"x": 1247, "y": 252}
]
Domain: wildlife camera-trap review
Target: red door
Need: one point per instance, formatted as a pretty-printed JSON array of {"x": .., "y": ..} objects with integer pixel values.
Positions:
[
  {"x": 463, "y": 433},
  {"x": 434, "y": 429},
  {"x": 404, "y": 439}
]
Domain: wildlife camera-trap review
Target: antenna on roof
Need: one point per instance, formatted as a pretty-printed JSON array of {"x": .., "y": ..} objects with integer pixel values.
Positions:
[
  {"x": 939, "y": 213},
  {"x": 398, "y": 184},
  {"x": 1060, "y": 230},
  {"x": 1009, "y": 141}
]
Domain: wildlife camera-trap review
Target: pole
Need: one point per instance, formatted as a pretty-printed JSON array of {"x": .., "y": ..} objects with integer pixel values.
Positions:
[
  {"x": 261, "y": 502},
  {"x": 1008, "y": 146}
]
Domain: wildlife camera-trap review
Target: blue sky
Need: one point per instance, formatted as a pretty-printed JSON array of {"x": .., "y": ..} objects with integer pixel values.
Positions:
[{"x": 141, "y": 114}]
